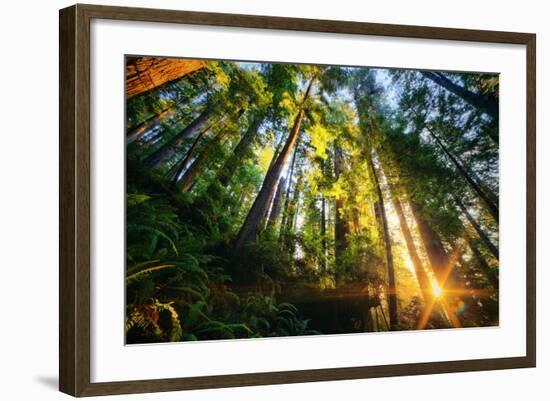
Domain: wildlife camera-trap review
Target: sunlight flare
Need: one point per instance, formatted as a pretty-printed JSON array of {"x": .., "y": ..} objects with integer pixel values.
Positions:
[{"x": 436, "y": 289}]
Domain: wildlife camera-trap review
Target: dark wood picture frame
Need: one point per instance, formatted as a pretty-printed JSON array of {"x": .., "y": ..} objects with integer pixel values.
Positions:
[{"x": 74, "y": 212}]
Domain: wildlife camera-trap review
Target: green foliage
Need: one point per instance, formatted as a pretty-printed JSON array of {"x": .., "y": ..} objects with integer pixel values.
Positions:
[
  {"x": 182, "y": 294},
  {"x": 266, "y": 319}
]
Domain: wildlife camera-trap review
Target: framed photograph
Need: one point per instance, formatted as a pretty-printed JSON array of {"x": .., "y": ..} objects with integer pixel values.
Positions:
[{"x": 250, "y": 200}]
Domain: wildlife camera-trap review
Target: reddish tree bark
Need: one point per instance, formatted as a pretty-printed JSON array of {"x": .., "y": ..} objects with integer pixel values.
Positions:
[
  {"x": 251, "y": 226},
  {"x": 146, "y": 73}
]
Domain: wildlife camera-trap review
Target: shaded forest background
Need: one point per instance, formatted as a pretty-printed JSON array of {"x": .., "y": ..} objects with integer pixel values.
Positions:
[{"x": 270, "y": 199}]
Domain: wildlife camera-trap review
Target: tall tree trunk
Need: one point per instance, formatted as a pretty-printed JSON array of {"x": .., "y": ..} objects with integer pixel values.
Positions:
[
  {"x": 251, "y": 226},
  {"x": 265, "y": 218},
  {"x": 432, "y": 242},
  {"x": 421, "y": 275},
  {"x": 278, "y": 148},
  {"x": 486, "y": 105},
  {"x": 176, "y": 170},
  {"x": 341, "y": 224},
  {"x": 491, "y": 206},
  {"x": 204, "y": 122},
  {"x": 146, "y": 73},
  {"x": 277, "y": 203},
  {"x": 381, "y": 212},
  {"x": 482, "y": 234},
  {"x": 293, "y": 214},
  {"x": 186, "y": 182},
  {"x": 134, "y": 133},
  {"x": 289, "y": 176},
  {"x": 295, "y": 202},
  {"x": 240, "y": 151}
]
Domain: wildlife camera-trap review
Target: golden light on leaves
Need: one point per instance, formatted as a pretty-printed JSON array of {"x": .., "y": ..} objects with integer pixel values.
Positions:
[
  {"x": 264, "y": 158},
  {"x": 320, "y": 137}
]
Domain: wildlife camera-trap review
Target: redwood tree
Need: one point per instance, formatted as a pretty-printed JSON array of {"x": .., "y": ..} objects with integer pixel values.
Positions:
[
  {"x": 251, "y": 226},
  {"x": 146, "y": 73}
]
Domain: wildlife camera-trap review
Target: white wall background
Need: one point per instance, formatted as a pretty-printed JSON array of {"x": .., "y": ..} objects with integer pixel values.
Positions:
[{"x": 28, "y": 200}]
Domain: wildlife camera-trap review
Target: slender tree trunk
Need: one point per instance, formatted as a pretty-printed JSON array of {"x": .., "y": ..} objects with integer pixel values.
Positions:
[
  {"x": 187, "y": 181},
  {"x": 278, "y": 148},
  {"x": 265, "y": 217},
  {"x": 204, "y": 122},
  {"x": 392, "y": 296},
  {"x": 432, "y": 242},
  {"x": 486, "y": 240},
  {"x": 294, "y": 205},
  {"x": 240, "y": 152},
  {"x": 487, "y": 105},
  {"x": 134, "y": 133},
  {"x": 154, "y": 135},
  {"x": 491, "y": 206},
  {"x": 146, "y": 73},
  {"x": 176, "y": 170},
  {"x": 270, "y": 202},
  {"x": 293, "y": 213},
  {"x": 341, "y": 225},
  {"x": 421, "y": 275},
  {"x": 289, "y": 176},
  {"x": 277, "y": 203}
]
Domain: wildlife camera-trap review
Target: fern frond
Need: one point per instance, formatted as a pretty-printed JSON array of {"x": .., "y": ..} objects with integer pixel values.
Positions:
[
  {"x": 138, "y": 227},
  {"x": 137, "y": 267},
  {"x": 175, "y": 330},
  {"x": 146, "y": 271}
]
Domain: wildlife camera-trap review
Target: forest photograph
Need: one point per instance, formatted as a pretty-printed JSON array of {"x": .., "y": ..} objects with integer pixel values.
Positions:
[{"x": 269, "y": 199}]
